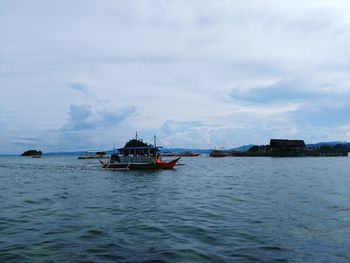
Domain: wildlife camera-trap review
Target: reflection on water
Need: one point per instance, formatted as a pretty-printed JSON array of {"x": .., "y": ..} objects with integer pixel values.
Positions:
[{"x": 208, "y": 210}]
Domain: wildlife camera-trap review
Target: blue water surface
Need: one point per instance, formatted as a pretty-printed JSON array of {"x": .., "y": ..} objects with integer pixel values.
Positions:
[{"x": 61, "y": 209}]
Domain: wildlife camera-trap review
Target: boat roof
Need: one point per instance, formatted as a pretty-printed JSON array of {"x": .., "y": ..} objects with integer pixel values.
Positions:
[{"x": 140, "y": 148}]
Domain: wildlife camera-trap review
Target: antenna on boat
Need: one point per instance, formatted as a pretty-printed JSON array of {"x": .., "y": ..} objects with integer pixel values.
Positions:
[
  {"x": 136, "y": 136},
  {"x": 155, "y": 141}
]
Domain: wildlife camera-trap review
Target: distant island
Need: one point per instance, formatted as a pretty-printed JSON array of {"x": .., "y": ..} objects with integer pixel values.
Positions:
[
  {"x": 32, "y": 153},
  {"x": 288, "y": 148}
]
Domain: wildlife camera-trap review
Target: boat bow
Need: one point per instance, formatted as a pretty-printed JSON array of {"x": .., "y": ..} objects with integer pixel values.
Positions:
[{"x": 167, "y": 165}]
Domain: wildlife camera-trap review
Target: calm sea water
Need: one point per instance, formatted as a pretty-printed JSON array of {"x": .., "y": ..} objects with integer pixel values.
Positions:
[{"x": 61, "y": 209}]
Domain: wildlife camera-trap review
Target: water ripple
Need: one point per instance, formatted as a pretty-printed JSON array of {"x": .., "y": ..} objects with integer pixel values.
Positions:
[{"x": 60, "y": 209}]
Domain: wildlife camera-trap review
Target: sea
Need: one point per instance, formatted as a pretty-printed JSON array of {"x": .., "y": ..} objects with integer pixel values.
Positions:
[{"x": 61, "y": 209}]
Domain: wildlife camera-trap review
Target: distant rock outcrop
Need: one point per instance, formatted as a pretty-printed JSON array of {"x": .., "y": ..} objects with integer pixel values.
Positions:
[{"x": 32, "y": 153}]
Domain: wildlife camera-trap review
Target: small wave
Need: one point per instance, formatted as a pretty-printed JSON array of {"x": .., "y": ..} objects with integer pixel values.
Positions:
[
  {"x": 338, "y": 208},
  {"x": 93, "y": 234},
  {"x": 12, "y": 257}
]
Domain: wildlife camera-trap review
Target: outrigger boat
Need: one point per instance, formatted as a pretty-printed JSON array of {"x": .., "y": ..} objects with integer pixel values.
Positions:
[
  {"x": 92, "y": 155},
  {"x": 188, "y": 154},
  {"x": 137, "y": 155},
  {"x": 219, "y": 153}
]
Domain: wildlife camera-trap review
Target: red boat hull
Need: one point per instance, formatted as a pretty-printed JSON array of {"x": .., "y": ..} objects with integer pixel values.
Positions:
[{"x": 140, "y": 166}]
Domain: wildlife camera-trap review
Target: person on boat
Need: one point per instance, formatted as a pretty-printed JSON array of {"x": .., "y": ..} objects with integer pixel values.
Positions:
[
  {"x": 158, "y": 160},
  {"x": 115, "y": 157}
]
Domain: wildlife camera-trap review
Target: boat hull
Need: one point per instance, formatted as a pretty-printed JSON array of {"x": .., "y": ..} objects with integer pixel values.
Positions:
[{"x": 139, "y": 166}]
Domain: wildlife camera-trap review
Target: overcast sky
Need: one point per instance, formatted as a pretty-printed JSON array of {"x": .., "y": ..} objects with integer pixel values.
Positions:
[{"x": 77, "y": 75}]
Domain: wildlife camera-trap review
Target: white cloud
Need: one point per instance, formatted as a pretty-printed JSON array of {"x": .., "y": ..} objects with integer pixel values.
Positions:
[{"x": 221, "y": 71}]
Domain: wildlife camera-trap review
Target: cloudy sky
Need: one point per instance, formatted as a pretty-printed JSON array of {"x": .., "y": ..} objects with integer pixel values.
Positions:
[{"x": 77, "y": 75}]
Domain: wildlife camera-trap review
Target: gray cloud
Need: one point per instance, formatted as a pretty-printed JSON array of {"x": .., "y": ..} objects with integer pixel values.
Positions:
[
  {"x": 324, "y": 113},
  {"x": 171, "y": 126},
  {"x": 26, "y": 142},
  {"x": 321, "y": 105},
  {"x": 79, "y": 86},
  {"x": 88, "y": 117},
  {"x": 283, "y": 90}
]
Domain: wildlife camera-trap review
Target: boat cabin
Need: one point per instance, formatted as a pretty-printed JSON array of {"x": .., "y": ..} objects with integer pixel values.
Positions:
[{"x": 136, "y": 151}]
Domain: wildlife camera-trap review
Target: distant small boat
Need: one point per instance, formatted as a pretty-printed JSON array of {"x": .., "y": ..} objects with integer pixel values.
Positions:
[
  {"x": 218, "y": 153},
  {"x": 188, "y": 154},
  {"x": 137, "y": 155},
  {"x": 92, "y": 155}
]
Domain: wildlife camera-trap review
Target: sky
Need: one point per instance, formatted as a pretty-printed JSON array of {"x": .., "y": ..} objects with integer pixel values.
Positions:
[{"x": 82, "y": 75}]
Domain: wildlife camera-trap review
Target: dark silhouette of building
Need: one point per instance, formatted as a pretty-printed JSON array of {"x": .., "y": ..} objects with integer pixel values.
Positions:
[{"x": 287, "y": 145}]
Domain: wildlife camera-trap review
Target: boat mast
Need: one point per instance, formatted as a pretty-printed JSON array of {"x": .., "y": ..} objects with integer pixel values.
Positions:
[{"x": 155, "y": 141}]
